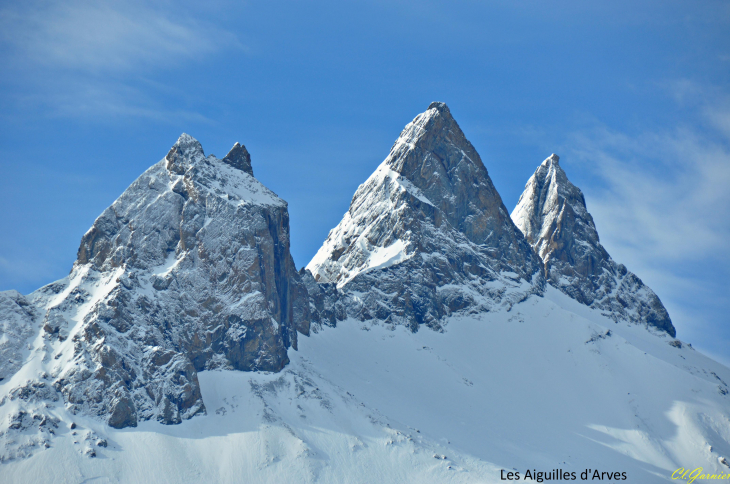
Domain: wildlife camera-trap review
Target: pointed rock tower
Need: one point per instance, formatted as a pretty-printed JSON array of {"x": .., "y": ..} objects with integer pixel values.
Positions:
[
  {"x": 427, "y": 234},
  {"x": 552, "y": 214},
  {"x": 189, "y": 269}
]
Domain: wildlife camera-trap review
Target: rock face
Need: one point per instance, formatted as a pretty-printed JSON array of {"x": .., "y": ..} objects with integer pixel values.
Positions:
[
  {"x": 427, "y": 234},
  {"x": 189, "y": 269},
  {"x": 552, "y": 214}
]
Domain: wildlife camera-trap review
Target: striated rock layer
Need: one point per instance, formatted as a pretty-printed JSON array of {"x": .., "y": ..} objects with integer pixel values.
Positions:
[
  {"x": 552, "y": 214},
  {"x": 189, "y": 269},
  {"x": 427, "y": 235}
]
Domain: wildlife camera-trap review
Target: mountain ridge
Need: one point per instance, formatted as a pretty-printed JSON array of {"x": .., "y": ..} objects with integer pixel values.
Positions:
[
  {"x": 189, "y": 269},
  {"x": 189, "y": 273}
]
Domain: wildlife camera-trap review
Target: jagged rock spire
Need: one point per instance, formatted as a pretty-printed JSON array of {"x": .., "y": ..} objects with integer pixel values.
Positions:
[
  {"x": 433, "y": 154},
  {"x": 428, "y": 217},
  {"x": 239, "y": 158},
  {"x": 552, "y": 215},
  {"x": 549, "y": 203},
  {"x": 183, "y": 153}
]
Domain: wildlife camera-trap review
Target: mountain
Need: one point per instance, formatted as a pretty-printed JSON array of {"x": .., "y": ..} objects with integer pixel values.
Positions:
[
  {"x": 552, "y": 214},
  {"x": 427, "y": 234},
  {"x": 184, "y": 307},
  {"x": 188, "y": 270}
]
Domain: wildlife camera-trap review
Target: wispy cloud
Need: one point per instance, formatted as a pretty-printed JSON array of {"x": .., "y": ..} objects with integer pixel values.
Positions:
[
  {"x": 107, "y": 36},
  {"x": 662, "y": 206},
  {"x": 664, "y": 193},
  {"x": 110, "y": 98},
  {"x": 82, "y": 58}
]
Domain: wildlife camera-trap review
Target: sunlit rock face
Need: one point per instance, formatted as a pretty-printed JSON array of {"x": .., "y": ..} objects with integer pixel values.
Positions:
[
  {"x": 427, "y": 235},
  {"x": 552, "y": 214}
]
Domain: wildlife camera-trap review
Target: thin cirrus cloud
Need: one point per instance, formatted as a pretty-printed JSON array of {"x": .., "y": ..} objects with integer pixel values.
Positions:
[
  {"x": 87, "y": 58},
  {"x": 662, "y": 207},
  {"x": 114, "y": 99},
  {"x": 665, "y": 194},
  {"x": 103, "y": 37}
]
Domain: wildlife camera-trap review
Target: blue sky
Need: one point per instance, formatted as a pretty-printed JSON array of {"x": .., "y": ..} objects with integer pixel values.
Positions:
[{"x": 633, "y": 95}]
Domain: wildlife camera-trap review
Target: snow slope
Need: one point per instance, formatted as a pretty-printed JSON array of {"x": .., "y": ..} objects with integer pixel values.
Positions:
[{"x": 550, "y": 384}]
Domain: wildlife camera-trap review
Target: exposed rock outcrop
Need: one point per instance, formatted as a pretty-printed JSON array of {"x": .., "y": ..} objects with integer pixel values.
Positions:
[{"x": 17, "y": 324}]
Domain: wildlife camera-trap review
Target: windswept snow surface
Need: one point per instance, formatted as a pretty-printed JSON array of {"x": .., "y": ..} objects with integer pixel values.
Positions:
[{"x": 550, "y": 384}]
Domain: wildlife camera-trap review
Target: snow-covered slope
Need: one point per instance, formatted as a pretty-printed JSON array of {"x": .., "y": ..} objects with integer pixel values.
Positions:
[
  {"x": 427, "y": 235},
  {"x": 552, "y": 214},
  {"x": 551, "y": 384}
]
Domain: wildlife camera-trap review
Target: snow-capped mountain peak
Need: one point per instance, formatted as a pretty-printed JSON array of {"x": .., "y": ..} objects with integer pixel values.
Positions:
[
  {"x": 189, "y": 269},
  {"x": 552, "y": 214},
  {"x": 186, "y": 151},
  {"x": 429, "y": 214},
  {"x": 547, "y": 192}
]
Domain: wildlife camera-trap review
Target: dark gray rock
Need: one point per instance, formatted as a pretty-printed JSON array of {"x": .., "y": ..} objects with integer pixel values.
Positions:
[
  {"x": 239, "y": 158},
  {"x": 325, "y": 306},
  {"x": 552, "y": 214}
]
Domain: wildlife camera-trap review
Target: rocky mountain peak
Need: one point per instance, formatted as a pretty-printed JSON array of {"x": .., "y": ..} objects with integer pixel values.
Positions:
[
  {"x": 428, "y": 213},
  {"x": 239, "y": 158},
  {"x": 435, "y": 158},
  {"x": 183, "y": 154},
  {"x": 439, "y": 106},
  {"x": 552, "y": 214},
  {"x": 549, "y": 195},
  {"x": 187, "y": 143},
  {"x": 189, "y": 269}
]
